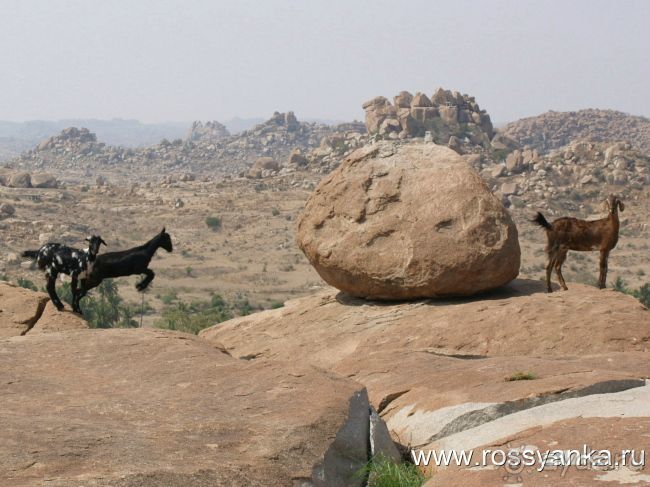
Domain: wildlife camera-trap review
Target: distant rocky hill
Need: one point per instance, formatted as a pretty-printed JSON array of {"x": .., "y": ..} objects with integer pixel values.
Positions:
[
  {"x": 16, "y": 137},
  {"x": 208, "y": 148},
  {"x": 552, "y": 130}
]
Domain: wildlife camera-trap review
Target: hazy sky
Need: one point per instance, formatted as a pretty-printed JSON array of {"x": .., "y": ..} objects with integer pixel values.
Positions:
[{"x": 161, "y": 60}]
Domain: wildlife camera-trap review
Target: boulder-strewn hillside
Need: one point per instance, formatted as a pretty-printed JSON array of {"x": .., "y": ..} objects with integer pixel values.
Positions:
[
  {"x": 208, "y": 149},
  {"x": 572, "y": 177},
  {"x": 552, "y": 130}
]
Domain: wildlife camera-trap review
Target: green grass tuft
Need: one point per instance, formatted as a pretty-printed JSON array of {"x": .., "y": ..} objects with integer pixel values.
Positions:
[
  {"x": 382, "y": 472},
  {"x": 521, "y": 376}
]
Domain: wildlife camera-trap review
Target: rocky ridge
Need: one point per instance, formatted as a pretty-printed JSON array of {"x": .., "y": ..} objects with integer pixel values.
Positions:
[
  {"x": 553, "y": 130},
  {"x": 207, "y": 150}
]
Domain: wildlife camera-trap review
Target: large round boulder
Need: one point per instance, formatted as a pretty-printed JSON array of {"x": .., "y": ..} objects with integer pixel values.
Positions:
[
  {"x": 411, "y": 221},
  {"x": 43, "y": 180},
  {"x": 20, "y": 180}
]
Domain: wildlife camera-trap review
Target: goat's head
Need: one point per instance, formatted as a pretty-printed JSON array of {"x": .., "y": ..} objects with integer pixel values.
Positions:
[
  {"x": 614, "y": 204},
  {"x": 94, "y": 242},
  {"x": 166, "y": 241}
]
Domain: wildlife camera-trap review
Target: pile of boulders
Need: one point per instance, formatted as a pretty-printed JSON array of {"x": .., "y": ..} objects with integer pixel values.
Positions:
[
  {"x": 336, "y": 146},
  {"x": 446, "y": 114},
  {"x": 209, "y": 131}
]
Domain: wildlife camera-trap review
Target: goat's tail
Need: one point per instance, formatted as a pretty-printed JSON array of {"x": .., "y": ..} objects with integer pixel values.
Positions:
[
  {"x": 31, "y": 254},
  {"x": 542, "y": 222}
]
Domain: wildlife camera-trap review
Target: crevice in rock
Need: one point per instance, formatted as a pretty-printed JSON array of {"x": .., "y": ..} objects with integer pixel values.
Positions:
[
  {"x": 40, "y": 309},
  {"x": 460, "y": 356},
  {"x": 478, "y": 417},
  {"x": 384, "y": 234},
  {"x": 251, "y": 356},
  {"x": 385, "y": 402}
]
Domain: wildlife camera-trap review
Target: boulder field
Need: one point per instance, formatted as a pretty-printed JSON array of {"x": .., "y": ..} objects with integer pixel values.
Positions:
[
  {"x": 408, "y": 221},
  {"x": 443, "y": 373}
]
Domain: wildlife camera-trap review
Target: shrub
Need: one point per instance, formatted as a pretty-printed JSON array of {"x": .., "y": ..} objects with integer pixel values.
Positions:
[
  {"x": 213, "y": 223},
  {"x": 26, "y": 283},
  {"x": 194, "y": 317},
  {"x": 521, "y": 376},
  {"x": 620, "y": 286},
  {"x": 275, "y": 212},
  {"x": 169, "y": 297},
  {"x": 643, "y": 294},
  {"x": 106, "y": 310},
  {"x": 243, "y": 307}
]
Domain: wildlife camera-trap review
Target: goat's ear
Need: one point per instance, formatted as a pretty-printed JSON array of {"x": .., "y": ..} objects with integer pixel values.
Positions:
[
  {"x": 87, "y": 239},
  {"x": 163, "y": 231},
  {"x": 101, "y": 241},
  {"x": 621, "y": 206}
]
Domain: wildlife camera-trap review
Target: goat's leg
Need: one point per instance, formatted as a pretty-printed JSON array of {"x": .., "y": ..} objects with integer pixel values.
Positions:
[
  {"x": 75, "y": 295},
  {"x": 51, "y": 289},
  {"x": 558, "y": 268},
  {"x": 604, "y": 256},
  {"x": 549, "y": 269},
  {"x": 142, "y": 285}
]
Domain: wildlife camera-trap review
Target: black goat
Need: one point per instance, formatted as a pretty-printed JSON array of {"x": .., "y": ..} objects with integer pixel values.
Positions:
[
  {"x": 124, "y": 263},
  {"x": 55, "y": 259}
]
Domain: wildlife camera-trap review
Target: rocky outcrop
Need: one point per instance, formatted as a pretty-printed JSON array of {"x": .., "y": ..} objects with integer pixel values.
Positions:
[
  {"x": 44, "y": 181},
  {"x": 552, "y": 130},
  {"x": 210, "y": 131},
  {"x": 150, "y": 407},
  {"x": 402, "y": 222},
  {"x": 444, "y": 374},
  {"x": 23, "y": 311},
  {"x": 446, "y": 114},
  {"x": 21, "y": 179},
  {"x": 69, "y": 138},
  {"x": 263, "y": 167}
]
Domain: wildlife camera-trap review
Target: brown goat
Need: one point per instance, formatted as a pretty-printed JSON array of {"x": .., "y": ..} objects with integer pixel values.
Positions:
[{"x": 568, "y": 233}]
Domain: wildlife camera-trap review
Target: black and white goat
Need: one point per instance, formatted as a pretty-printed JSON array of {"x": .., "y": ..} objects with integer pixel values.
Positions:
[
  {"x": 124, "y": 263},
  {"x": 55, "y": 259}
]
